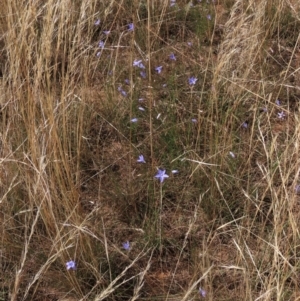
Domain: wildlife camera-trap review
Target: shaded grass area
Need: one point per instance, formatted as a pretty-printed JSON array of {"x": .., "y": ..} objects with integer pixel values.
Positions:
[{"x": 77, "y": 110}]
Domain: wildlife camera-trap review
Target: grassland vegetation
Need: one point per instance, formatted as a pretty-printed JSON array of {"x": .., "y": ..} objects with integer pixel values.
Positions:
[{"x": 149, "y": 150}]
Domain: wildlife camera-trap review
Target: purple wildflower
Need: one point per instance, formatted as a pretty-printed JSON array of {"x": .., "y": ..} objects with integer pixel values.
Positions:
[
  {"x": 141, "y": 159},
  {"x": 281, "y": 115},
  {"x": 202, "y": 292},
  {"x": 172, "y": 57},
  {"x": 158, "y": 69},
  {"x": 127, "y": 81},
  {"x": 172, "y": 3},
  {"x": 130, "y": 27},
  {"x": 71, "y": 265},
  {"x": 106, "y": 32},
  {"x": 141, "y": 66},
  {"x": 136, "y": 63},
  {"x": 192, "y": 81},
  {"x": 277, "y": 102},
  {"x": 208, "y": 17},
  {"x": 194, "y": 120},
  {"x": 143, "y": 74},
  {"x": 161, "y": 175},
  {"x": 126, "y": 245},
  {"x": 97, "y": 22},
  {"x": 245, "y": 124},
  {"x": 101, "y": 44},
  {"x": 124, "y": 93}
]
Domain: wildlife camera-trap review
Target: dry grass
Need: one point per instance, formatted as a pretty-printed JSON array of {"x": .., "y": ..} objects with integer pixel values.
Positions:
[{"x": 71, "y": 188}]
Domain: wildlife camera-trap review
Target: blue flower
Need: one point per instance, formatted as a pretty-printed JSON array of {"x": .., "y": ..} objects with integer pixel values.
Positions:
[
  {"x": 97, "y": 22},
  {"x": 202, "y": 292},
  {"x": 194, "y": 120},
  {"x": 245, "y": 125},
  {"x": 161, "y": 175},
  {"x": 277, "y": 102},
  {"x": 124, "y": 93},
  {"x": 71, "y": 265},
  {"x": 192, "y": 81},
  {"x": 130, "y": 27},
  {"x": 281, "y": 115},
  {"x": 141, "y": 159},
  {"x": 106, "y": 32},
  {"x": 141, "y": 66},
  {"x": 126, "y": 245},
  {"x": 136, "y": 62},
  {"x": 172, "y": 57},
  {"x": 143, "y": 74},
  {"x": 208, "y": 17},
  {"x": 127, "y": 81},
  {"x": 158, "y": 69},
  {"x": 173, "y": 2},
  {"x": 101, "y": 44}
]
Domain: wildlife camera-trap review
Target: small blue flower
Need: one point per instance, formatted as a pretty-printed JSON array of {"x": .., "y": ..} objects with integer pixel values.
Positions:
[
  {"x": 194, "y": 120},
  {"x": 97, "y": 22},
  {"x": 71, "y": 265},
  {"x": 202, "y": 292},
  {"x": 127, "y": 81},
  {"x": 130, "y": 27},
  {"x": 98, "y": 54},
  {"x": 281, "y": 115},
  {"x": 278, "y": 102},
  {"x": 141, "y": 159},
  {"x": 124, "y": 93},
  {"x": 172, "y": 3},
  {"x": 141, "y": 66},
  {"x": 161, "y": 175},
  {"x": 245, "y": 125},
  {"x": 106, "y": 32},
  {"x": 208, "y": 17},
  {"x": 136, "y": 63},
  {"x": 126, "y": 245},
  {"x": 101, "y": 44},
  {"x": 143, "y": 74},
  {"x": 158, "y": 69},
  {"x": 134, "y": 120},
  {"x": 172, "y": 57},
  {"x": 192, "y": 81}
]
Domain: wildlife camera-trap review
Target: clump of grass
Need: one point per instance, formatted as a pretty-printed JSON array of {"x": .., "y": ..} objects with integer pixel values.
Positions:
[{"x": 149, "y": 150}]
